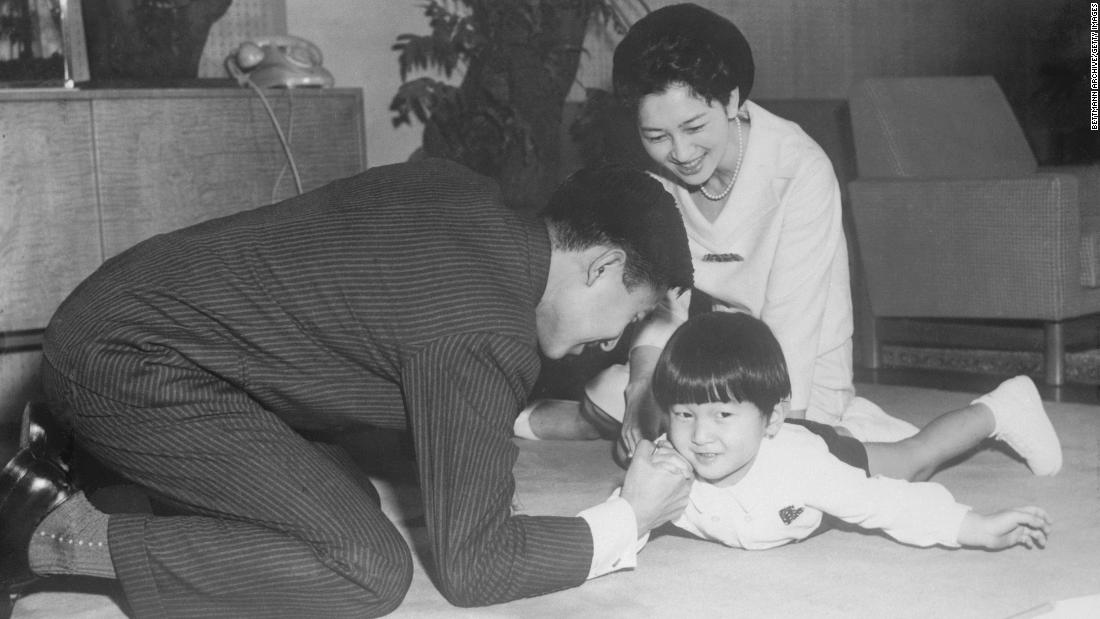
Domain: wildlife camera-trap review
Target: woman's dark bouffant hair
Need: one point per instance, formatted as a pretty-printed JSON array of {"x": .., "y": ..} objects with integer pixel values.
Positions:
[
  {"x": 682, "y": 44},
  {"x": 615, "y": 204},
  {"x": 722, "y": 357}
]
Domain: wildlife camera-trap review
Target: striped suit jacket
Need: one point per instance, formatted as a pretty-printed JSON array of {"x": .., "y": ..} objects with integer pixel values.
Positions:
[{"x": 401, "y": 297}]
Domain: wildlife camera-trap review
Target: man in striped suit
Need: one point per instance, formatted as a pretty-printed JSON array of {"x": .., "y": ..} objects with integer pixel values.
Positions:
[{"x": 406, "y": 297}]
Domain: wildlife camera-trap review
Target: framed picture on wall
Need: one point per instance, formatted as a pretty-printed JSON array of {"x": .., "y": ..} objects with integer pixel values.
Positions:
[{"x": 42, "y": 44}]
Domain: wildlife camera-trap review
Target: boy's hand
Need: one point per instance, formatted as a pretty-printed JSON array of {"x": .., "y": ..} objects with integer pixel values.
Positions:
[
  {"x": 656, "y": 485},
  {"x": 1025, "y": 526},
  {"x": 666, "y": 457}
]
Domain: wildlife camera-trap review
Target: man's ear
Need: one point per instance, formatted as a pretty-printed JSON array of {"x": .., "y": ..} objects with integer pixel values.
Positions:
[
  {"x": 778, "y": 415},
  {"x": 604, "y": 263},
  {"x": 733, "y": 108}
]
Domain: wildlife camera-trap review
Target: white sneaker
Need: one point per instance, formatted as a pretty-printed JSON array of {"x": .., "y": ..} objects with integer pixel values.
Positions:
[{"x": 1022, "y": 423}]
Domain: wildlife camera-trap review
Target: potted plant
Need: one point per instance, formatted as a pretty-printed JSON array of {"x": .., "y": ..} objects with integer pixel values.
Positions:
[{"x": 518, "y": 60}]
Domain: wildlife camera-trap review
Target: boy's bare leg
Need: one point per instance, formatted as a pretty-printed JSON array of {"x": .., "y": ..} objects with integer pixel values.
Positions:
[
  {"x": 556, "y": 420},
  {"x": 1012, "y": 413},
  {"x": 947, "y": 437}
]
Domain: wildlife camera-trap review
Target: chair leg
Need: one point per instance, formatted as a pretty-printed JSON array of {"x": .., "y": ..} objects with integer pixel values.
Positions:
[
  {"x": 1054, "y": 356},
  {"x": 870, "y": 348}
]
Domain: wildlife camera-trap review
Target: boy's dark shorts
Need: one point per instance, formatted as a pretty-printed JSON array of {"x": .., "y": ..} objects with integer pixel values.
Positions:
[{"x": 847, "y": 449}]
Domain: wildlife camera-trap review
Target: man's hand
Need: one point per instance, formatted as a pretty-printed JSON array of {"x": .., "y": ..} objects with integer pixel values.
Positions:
[
  {"x": 1025, "y": 526},
  {"x": 656, "y": 485}
]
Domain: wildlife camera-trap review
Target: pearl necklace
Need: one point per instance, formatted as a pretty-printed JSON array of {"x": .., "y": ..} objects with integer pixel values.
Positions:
[{"x": 736, "y": 169}]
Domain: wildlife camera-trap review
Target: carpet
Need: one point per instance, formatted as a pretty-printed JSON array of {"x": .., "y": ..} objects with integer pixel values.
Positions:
[{"x": 839, "y": 573}]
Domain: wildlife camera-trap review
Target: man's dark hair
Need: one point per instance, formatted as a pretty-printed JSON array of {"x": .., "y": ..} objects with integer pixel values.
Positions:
[
  {"x": 621, "y": 206},
  {"x": 722, "y": 357},
  {"x": 682, "y": 44}
]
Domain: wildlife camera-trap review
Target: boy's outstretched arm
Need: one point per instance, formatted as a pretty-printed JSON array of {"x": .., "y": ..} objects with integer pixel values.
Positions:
[{"x": 1026, "y": 526}]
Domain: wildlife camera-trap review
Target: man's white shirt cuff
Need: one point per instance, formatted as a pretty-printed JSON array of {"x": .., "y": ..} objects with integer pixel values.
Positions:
[{"x": 614, "y": 536}]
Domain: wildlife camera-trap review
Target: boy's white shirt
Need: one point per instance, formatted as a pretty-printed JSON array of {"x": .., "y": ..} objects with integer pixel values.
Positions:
[{"x": 794, "y": 477}]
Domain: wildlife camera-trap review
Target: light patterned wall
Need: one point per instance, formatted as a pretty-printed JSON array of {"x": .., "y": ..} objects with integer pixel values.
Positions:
[
  {"x": 808, "y": 49},
  {"x": 804, "y": 48},
  {"x": 816, "y": 48}
]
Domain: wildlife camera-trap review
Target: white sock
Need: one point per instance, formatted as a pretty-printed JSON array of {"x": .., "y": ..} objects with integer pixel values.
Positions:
[
  {"x": 72, "y": 540},
  {"x": 522, "y": 427}
]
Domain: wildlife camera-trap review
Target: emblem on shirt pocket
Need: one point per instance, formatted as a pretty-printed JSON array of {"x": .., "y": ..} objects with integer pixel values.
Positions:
[
  {"x": 729, "y": 257},
  {"x": 789, "y": 513}
]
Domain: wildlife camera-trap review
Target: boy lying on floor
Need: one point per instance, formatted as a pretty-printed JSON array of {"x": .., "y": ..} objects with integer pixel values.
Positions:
[{"x": 762, "y": 482}]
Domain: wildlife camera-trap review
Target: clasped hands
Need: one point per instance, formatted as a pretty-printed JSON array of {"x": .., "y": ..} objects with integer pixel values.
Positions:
[{"x": 657, "y": 484}]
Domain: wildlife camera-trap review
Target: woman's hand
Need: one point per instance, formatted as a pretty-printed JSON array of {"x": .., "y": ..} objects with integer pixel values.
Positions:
[
  {"x": 640, "y": 415},
  {"x": 637, "y": 398},
  {"x": 1020, "y": 526}
]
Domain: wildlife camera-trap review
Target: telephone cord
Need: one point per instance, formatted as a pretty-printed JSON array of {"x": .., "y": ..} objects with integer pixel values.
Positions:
[{"x": 279, "y": 132}]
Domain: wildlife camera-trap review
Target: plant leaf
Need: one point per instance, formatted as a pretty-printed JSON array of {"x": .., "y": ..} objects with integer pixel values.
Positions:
[{"x": 424, "y": 98}]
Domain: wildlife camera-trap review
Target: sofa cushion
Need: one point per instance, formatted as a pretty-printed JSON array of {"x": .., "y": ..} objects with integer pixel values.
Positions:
[{"x": 954, "y": 127}]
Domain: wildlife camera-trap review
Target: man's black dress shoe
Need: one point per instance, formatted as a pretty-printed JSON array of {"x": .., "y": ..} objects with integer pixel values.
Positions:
[
  {"x": 30, "y": 488},
  {"x": 32, "y": 484}
]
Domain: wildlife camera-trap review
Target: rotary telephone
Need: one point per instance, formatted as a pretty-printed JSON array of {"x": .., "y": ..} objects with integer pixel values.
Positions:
[{"x": 280, "y": 61}]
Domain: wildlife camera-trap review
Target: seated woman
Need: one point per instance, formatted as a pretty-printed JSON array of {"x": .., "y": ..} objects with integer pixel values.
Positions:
[{"x": 761, "y": 205}]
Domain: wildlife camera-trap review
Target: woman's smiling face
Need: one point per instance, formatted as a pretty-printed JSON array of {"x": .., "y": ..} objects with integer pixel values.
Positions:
[
  {"x": 686, "y": 135},
  {"x": 719, "y": 439}
]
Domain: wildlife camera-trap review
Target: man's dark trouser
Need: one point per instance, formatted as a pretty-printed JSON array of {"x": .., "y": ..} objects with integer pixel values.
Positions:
[{"x": 275, "y": 527}]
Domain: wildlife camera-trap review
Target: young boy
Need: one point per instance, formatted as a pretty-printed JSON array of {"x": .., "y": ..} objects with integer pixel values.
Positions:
[{"x": 762, "y": 482}]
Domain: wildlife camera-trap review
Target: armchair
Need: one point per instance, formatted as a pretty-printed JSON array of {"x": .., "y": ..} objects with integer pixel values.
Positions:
[{"x": 954, "y": 219}]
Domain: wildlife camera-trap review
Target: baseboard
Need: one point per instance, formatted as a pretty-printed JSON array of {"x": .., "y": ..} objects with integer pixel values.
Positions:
[
  {"x": 1010, "y": 335},
  {"x": 1082, "y": 367}
]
